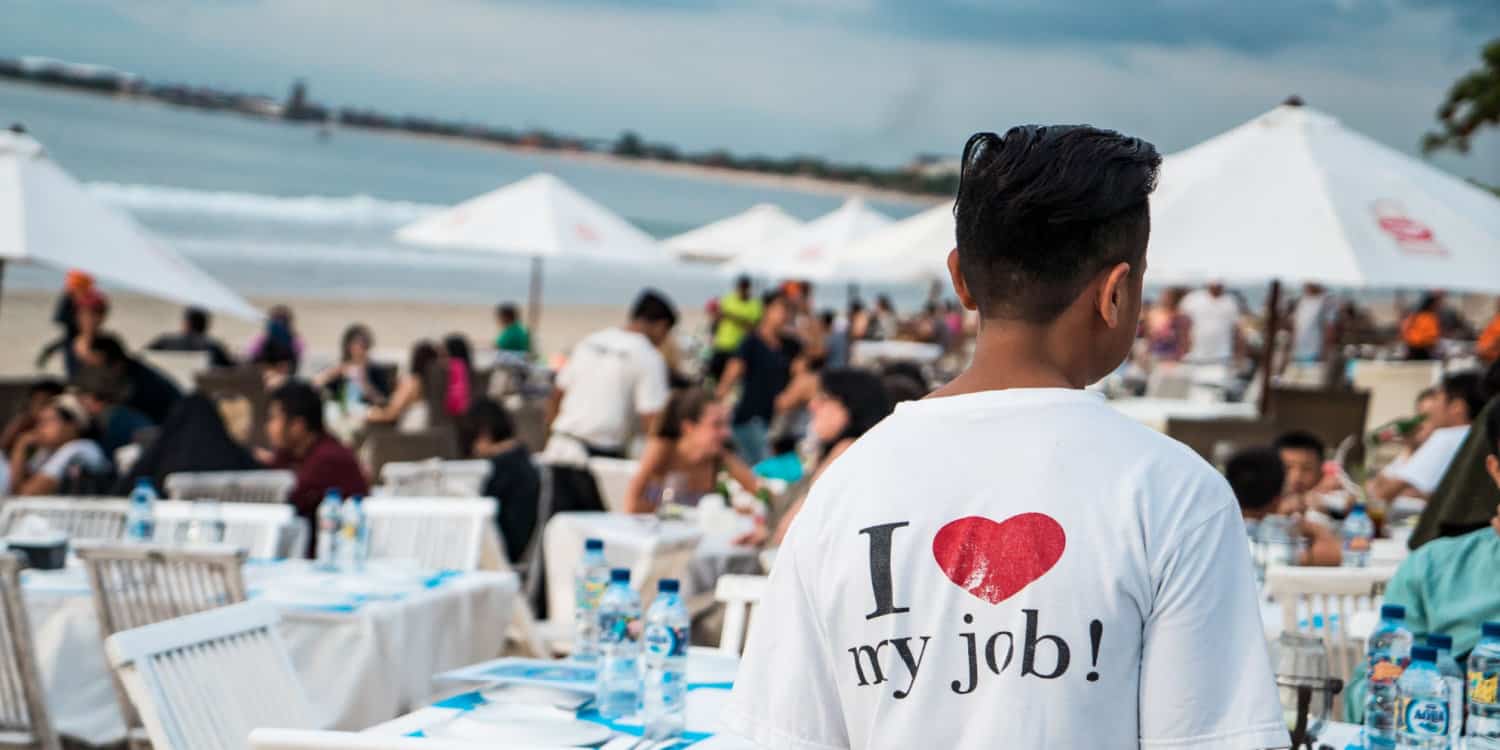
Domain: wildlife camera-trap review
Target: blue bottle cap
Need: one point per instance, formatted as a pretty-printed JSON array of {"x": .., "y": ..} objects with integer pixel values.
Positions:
[
  {"x": 1424, "y": 653},
  {"x": 1490, "y": 630},
  {"x": 143, "y": 483},
  {"x": 1440, "y": 641},
  {"x": 1358, "y": 508},
  {"x": 331, "y": 493},
  {"x": 593, "y": 545},
  {"x": 667, "y": 585},
  {"x": 619, "y": 575},
  {"x": 1392, "y": 612}
]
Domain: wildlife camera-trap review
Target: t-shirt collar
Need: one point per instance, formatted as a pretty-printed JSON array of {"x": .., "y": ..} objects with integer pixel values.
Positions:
[{"x": 1004, "y": 398}]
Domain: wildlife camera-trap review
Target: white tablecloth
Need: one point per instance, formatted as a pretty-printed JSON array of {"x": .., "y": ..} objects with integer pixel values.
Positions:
[
  {"x": 1154, "y": 412},
  {"x": 361, "y": 663}
]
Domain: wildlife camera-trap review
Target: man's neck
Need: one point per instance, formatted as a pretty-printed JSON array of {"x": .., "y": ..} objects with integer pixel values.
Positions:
[
  {"x": 302, "y": 451},
  {"x": 1010, "y": 354}
]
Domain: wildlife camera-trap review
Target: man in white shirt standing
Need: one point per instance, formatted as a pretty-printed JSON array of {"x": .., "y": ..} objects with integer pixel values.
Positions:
[
  {"x": 613, "y": 385},
  {"x": 1216, "y": 325},
  {"x": 1312, "y": 324},
  {"x": 1010, "y": 562},
  {"x": 1454, "y": 405}
]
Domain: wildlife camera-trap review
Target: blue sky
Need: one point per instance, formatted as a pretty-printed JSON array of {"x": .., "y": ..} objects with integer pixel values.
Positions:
[{"x": 859, "y": 80}]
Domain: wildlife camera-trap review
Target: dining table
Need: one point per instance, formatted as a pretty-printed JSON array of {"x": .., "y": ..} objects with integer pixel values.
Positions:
[{"x": 364, "y": 644}]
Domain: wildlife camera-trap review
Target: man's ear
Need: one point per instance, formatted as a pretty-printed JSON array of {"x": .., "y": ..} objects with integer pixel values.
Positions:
[
  {"x": 960, "y": 286},
  {"x": 1112, "y": 295},
  {"x": 1493, "y": 464}
]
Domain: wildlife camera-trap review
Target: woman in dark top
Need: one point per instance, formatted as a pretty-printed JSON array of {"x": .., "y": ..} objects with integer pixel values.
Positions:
[
  {"x": 514, "y": 479},
  {"x": 410, "y": 393},
  {"x": 355, "y": 370},
  {"x": 192, "y": 439}
]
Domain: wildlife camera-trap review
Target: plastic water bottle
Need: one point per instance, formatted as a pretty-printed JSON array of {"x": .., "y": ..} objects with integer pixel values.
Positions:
[
  {"x": 665, "y": 657},
  {"x": 328, "y": 523},
  {"x": 140, "y": 518},
  {"x": 1453, "y": 675},
  {"x": 619, "y": 691},
  {"x": 354, "y": 535},
  {"x": 1484, "y": 678},
  {"x": 589, "y": 582},
  {"x": 1422, "y": 695},
  {"x": 209, "y": 516},
  {"x": 1389, "y": 652},
  {"x": 1358, "y": 532}
]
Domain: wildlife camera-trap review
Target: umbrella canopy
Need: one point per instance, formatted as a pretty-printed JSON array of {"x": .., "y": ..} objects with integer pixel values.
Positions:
[
  {"x": 46, "y": 217},
  {"x": 727, "y": 238},
  {"x": 914, "y": 249},
  {"x": 540, "y": 216},
  {"x": 812, "y": 253},
  {"x": 1295, "y": 196}
]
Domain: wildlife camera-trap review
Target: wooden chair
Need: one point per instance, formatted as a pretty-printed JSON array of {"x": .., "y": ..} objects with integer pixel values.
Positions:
[
  {"x": 1205, "y": 436},
  {"x": 439, "y": 533},
  {"x": 14, "y": 393},
  {"x": 182, "y": 368},
  {"x": 78, "y": 518},
  {"x": 263, "y": 530},
  {"x": 435, "y": 478},
  {"x": 204, "y": 681},
  {"x": 244, "y": 382},
  {"x": 264, "y": 486},
  {"x": 740, "y": 596},
  {"x": 24, "y": 722},
  {"x": 613, "y": 477},
  {"x": 1331, "y": 414},
  {"x": 385, "y": 444},
  {"x": 1393, "y": 387},
  {"x": 1310, "y": 598},
  {"x": 136, "y": 585},
  {"x": 294, "y": 739}
]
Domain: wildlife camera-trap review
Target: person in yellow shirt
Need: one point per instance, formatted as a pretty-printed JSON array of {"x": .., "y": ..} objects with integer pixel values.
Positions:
[{"x": 739, "y": 312}]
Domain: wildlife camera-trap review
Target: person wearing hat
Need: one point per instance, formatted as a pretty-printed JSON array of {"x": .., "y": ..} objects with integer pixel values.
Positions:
[
  {"x": 59, "y": 446},
  {"x": 91, "y": 308},
  {"x": 102, "y": 394}
]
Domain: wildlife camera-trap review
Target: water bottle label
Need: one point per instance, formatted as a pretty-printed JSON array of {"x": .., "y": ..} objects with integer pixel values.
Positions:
[
  {"x": 1426, "y": 718},
  {"x": 588, "y": 594},
  {"x": 1482, "y": 687},
  {"x": 666, "y": 642},
  {"x": 617, "y": 628}
]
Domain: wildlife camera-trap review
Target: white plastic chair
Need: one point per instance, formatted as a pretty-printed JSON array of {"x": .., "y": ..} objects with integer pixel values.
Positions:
[
  {"x": 24, "y": 721},
  {"x": 439, "y": 533},
  {"x": 612, "y": 475},
  {"x": 435, "y": 478},
  {"x": 204, "y": 681},
  {"x": 650, "y": 559},
  {"x": 263, "y": 530},
  {"x": 269, "y": 486},
  {"x": 1304, "y": 593},
  {"x": 740, "y": 596},
  {"x": 77, "y": 517},
  {"x": 297, "y": 739}
]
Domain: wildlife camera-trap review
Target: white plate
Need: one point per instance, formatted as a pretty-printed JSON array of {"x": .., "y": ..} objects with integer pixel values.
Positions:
[{"x": 513, "y": 730}]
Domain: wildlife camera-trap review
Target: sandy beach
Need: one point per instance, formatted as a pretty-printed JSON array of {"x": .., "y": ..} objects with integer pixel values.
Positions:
[{"x": 25, "y": 324}]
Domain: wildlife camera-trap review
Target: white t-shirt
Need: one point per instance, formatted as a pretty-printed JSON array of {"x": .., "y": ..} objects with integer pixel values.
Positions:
[
  {"x": 612, "y": 378},
  {"x": 80, "y": 452},
  {"x": 1426, "y": 467},
  {"x": 1030, "y": 569},
  {"x": 1214, "y": 322},
  {"x": 1310, "y": 318}
]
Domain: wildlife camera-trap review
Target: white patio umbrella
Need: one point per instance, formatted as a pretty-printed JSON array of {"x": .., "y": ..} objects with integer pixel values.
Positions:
[
  {"x": 540, "y": 216},
  {"x": 735, "y": 235},
  {"x": 46, "y": 217},
  {"x": 812, "y": 253},
  {"x": 914, "y": 249}
]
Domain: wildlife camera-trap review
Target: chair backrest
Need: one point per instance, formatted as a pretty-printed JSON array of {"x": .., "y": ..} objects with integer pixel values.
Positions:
[
  {"x": 1393, "y": 387},
  {"x": 1331, "y": 414},
  {"x": 612, "y": 475},
  {"x": 265, "y": 486},
  {"x": 386, "y": 444},
  {"x": 439, "y": 533},
  {"x": 143, "y": 584},
  {"x": 14, "y": 393},
  {"x": 1311, "y": 599},
  {"x": 78, "y": 517},
  {"x": 297, "y": 739},
  {"x": 263, "y": 530},
  {"x": 740, "y": 596},
  {"x": 239, "y": 382},
  {"x": 435, "y": 478},
  {"x": 204, "y": 681},
  {"x": 181, "y": 367},
  {"x": 23, "y": 704},
  {"x": 1205, "y": 435}
]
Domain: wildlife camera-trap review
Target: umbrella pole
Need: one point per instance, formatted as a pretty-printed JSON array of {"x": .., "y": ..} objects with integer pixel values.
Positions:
[
  {"x": 534, "y": 295},
  {"x": 2, "y": 277},
  {"x": 1268, "y": 355}
]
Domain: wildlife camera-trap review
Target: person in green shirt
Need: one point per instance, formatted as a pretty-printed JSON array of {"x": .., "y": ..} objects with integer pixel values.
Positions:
[
  {"x": 514, "y": 337},
  {"x": 739, "y": 312},
  {"x": 1447, "y": 585}
]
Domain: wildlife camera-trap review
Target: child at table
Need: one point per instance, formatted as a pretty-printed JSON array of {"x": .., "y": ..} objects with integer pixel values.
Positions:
[{"x": 1257, "y": 477}]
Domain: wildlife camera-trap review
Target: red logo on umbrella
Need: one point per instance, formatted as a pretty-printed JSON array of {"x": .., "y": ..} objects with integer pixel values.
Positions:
[
  {"x": 1411, "y": 236},
  {"x": 586, "y": 233}
]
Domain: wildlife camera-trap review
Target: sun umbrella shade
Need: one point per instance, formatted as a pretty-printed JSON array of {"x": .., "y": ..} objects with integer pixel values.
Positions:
[
  {"x": 540, "y": 216},
  {"x": 46, "y": 217},
  {"x": 814, "y": 252},
  {"x": 914, "y": 249},
  {"x": 1293, "y": 195},
  {"x": 733, "y": 236}
]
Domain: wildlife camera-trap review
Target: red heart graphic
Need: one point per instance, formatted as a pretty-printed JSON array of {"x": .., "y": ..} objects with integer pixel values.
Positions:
[{"x": 994, "y": 561}]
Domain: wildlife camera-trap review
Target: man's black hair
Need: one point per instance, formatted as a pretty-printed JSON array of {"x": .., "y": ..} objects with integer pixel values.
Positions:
[
  {"x": 1301, "y": 440},
  {"x": 50, "y": 387},
  {"x": 771, "y": 297},
  {"x": 828, "y": 317},
  {"x": 298, "y": 400},
  {"x": 742, "y": 282},
  {"x": 1044, "y": 209},
  {"x": 653, "y": 307},
  {"x": 1467, "y": 387},
  {"x": 1492, "y": 423},
  {"x": 507, "y": 311},
  {"x": 487, "y": 417},
  {"x": 110, "y": 348},
  {"x": 196, "y": 319},
  {"x": 1256, "y": 476}
]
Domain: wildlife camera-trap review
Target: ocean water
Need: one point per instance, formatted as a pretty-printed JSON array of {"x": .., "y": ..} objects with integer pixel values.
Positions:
[{"x": 272, "y": 208}]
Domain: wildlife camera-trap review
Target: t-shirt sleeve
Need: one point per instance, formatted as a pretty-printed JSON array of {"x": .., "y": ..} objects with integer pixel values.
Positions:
[
  {"x": 1426, "y": 467},
  {"x": 79, "y": 452},
  {"x": 1406, "y": 588},
  {"x": 651, "y": 387},
  {"x": 1206, "y": 679},
  {"x": 775, "y": 707}
]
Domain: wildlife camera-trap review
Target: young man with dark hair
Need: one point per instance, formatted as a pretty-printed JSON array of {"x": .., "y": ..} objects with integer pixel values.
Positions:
[
  {"x": 294, "y": 429},
  {"x": 194, "y": 338},
  {"x": 1458, "y": 400},
  {"x": 1258, "y": 477},
  {"x": 513, "y": 338},
  {"x": 514, "y": 479},
  {"x": 1302, "y": 455},
  {"x": 763, "y": 366},
  {"x": 147, "y": 390},
  {"x": 1010, "y": 562},
  {"x": 101, "y": 394}
]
